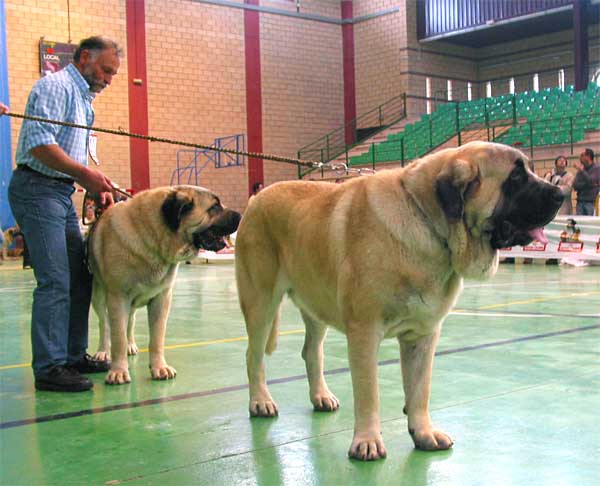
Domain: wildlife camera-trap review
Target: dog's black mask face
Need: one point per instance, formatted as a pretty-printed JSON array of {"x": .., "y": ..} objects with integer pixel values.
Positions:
[
  {"x": 527, "y": 203},
  {"x": 225, "y": 222}
]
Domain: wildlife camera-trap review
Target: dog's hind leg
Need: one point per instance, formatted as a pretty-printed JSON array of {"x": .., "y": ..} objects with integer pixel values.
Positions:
[
  {"x": 99, "y": 306},
  {"x": 259, "y": 300},
  {"x": 312, "y": 353},
  {"x": 132, "y": 348}
]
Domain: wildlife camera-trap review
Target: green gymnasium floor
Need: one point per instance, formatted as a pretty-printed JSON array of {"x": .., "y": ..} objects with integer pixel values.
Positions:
[{"x": 516, "y": 384}]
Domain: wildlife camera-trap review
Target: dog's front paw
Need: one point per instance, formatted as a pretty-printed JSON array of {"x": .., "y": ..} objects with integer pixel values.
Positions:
[
  {"x": 430, "y": 439},
  {"x": 102, "y": 355},
  {"x": 132, "y": 349},
  {"x": 163, "y": 372},
  {"x": 263, "y": 408},
  {"x": 367, "y": 447},
  {"x": 325, "y": 402},
  {"x": 117, "y": 377}
]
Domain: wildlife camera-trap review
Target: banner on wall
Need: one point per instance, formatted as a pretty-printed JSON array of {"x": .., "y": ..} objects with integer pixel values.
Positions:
[{"x": 54, "y": 56}]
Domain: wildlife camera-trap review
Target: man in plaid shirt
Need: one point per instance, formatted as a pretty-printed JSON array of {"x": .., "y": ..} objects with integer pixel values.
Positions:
[{"x": 50, "y": 158}]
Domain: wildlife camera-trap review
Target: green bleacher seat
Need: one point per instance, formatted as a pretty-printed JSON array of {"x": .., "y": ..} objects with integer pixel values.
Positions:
[{"x": 552, "y": 115}]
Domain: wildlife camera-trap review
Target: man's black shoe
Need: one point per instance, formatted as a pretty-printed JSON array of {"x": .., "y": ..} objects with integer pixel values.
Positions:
[
  {"x": 62, "y": 379},
  {"x": 87, "y": 364}
]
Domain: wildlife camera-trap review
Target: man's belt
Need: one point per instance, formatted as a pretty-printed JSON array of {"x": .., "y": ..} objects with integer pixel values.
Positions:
[{"x": 26, "y": 168}]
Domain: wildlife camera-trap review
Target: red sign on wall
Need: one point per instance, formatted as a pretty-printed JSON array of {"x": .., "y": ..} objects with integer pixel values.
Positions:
[{"x": 54, "y": 56}]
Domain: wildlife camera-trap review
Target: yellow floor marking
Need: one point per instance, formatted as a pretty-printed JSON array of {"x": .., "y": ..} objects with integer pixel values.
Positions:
[
  {"x": 541, "y": 299},
  {"x": 220, "y": 341},
  {"x": 299, "y": 331},
  {"x": 176, "y": 346}
]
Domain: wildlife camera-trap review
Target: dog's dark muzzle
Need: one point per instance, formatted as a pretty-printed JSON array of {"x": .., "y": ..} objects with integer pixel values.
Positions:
[
  {"x": 211, "y": 238},
  {"x": 518, "y": 218}
]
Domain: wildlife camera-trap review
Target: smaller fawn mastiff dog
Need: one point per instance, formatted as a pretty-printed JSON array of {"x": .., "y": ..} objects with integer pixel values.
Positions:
[
  {"x": 382, "y": 256},
  {"x": 134, "y": 251}
]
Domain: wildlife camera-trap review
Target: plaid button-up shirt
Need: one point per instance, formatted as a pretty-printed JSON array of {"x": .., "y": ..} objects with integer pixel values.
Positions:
[{"x": 62, "y": 96}]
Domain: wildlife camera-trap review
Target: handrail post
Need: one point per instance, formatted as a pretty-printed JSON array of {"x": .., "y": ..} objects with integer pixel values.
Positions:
[
  {"x": 430, "y": 132},
  {"x": 571, "y": 132},
  {"x": 486, "y": 113},
  {"x": 327, "y": 146},
  {"x": 299, "y": 166},
  {"x": 514, "y": 107},
  {"x": 531, "y": 138},
  {"x": 404, "y": 103},
  {"x": 402, "y": 150},
  {"x": 373, "y": 151},
  {"x": 380, "y": 117},
  {"x": 458, "y": 125}
]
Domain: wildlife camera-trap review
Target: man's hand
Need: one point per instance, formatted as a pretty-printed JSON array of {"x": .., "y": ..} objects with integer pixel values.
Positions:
[
  {"x": 3, "y": 109},
  {"x": 106, "y": 199},
  {"x": 96, "y": 182}
]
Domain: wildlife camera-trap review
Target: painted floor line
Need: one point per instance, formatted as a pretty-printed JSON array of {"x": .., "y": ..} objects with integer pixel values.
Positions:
[
  {"x": 475, "y": 312},
  {"x": 540, "y": 299},
  {"x": 456, "y": 312},
  {"x": 531, "y": 284},
  {"x": 288, "y": 379}
]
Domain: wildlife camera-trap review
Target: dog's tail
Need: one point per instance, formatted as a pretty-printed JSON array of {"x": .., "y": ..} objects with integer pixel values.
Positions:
[{"x": 272, "y": 341}]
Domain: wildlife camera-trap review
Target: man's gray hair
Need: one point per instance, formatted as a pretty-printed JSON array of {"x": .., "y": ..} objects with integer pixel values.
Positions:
[{"x": 95, "y": 45}]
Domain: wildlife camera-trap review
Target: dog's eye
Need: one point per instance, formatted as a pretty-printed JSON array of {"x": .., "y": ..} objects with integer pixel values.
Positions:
[{"x": 216, "y": 207}]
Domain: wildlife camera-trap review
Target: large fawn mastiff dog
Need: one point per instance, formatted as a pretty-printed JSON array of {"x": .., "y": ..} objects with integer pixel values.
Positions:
[
  {"x": 382, "y": 256},
  {"x": 134, "y": 251}
]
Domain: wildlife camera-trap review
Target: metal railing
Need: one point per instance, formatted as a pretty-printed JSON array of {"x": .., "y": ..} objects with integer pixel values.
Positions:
[
  {"x": 354, "y": 132},
  {"x": 561, "y": 130},
  {"x": 566, "y": 130}
]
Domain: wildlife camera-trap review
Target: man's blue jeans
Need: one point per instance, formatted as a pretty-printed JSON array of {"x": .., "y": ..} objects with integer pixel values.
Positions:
[
  {"x": 585, "y": 208},
  {"x": 59, "y": 321}
]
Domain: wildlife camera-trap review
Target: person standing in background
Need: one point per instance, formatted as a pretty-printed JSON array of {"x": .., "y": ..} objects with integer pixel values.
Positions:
[
  {"x": 560, "y": 177},
  {"x": 586, "y": 183}
]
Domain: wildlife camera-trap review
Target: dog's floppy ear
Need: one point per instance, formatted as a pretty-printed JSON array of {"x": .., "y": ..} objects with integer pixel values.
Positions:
[
  {"x": 456, "y": 183},
  {"x": 174, "y": 207}
]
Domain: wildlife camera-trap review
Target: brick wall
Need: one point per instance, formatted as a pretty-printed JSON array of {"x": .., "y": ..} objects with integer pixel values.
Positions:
[
  {"x": 196, "y": 89},
  {"x": 302, "y": 86},
  {"x": 379, "y": 61}
]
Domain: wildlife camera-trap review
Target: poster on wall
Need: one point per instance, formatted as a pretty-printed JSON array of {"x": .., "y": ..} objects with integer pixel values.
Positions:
[{"x": 54, "y": 56}]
